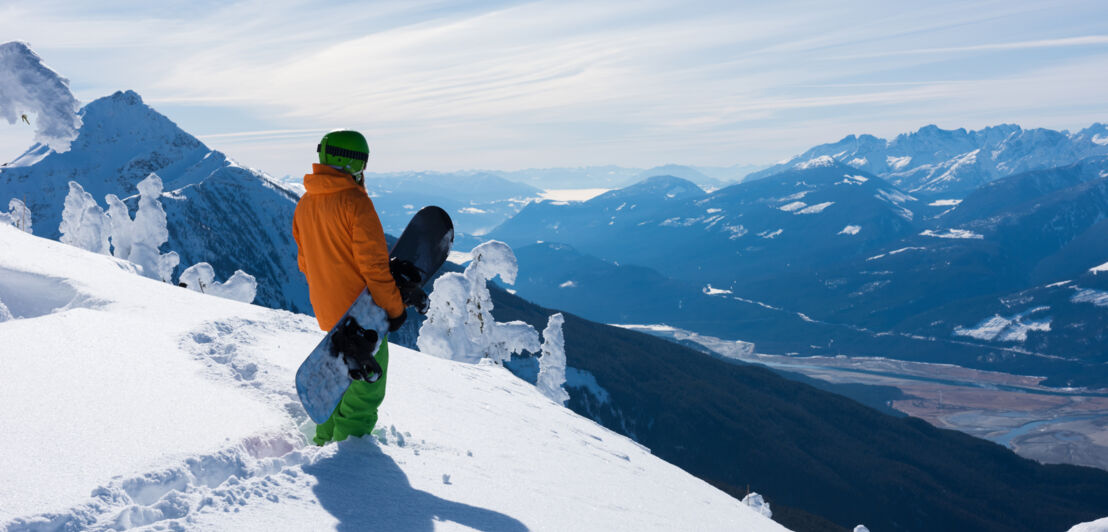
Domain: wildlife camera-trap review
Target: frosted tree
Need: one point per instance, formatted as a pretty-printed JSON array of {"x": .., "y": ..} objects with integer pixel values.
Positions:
[
  {"x": 29, "y": 87},
  {"x": 5, "y": 314},
  {"x": 552, "y": 364},
  {"x": 121, "y": 223},
  {"x": 200, "y": 277},
  {"x": 138, "y": 240},
  {"x": 459, "y": 324},
  {"x": 84, "y": 223},
  {"x": 19, "y": 215},
  {"x": 755, "y": 501}
]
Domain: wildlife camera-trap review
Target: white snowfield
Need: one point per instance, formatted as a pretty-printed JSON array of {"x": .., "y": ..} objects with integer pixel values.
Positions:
[
  {"x": 1100, "y": 525},
  {"x": 953, "y": 233},
  {"x": 133, "y": 403}
]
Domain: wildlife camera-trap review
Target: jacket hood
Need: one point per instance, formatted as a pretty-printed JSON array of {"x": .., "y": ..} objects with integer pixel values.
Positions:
[{"x": 327, "y": 180}]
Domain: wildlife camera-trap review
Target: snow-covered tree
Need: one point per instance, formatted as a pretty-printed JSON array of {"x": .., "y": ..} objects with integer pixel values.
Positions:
[
  {"x": 5, "y": 314},
  {"x": 121, "y": 223},
  {"x": 755, "y": 501},
  {"x": 200, "y": 277},
  {"x": 84, "y": 223},
  {"x": 459, "y": 324},
  {"x": 28, "y": 87},
  {"x": 19, "y": 215},
  {"x": 138, "y": 240},
  {"x": 552, "y": 364}
]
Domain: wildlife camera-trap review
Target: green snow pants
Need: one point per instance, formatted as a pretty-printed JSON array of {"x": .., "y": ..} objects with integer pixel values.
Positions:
[{"x": 357, "y": 412}]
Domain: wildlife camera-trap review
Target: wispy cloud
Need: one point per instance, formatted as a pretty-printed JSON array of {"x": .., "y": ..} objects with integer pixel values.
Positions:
[
  {"x": 272, "y": 133},
  {"x": 1089, "y": 40},
  {"x": 446, "y": 85}
]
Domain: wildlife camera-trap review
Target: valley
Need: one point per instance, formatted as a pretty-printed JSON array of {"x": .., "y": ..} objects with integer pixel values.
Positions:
[{"x": 1050, "y": 425}]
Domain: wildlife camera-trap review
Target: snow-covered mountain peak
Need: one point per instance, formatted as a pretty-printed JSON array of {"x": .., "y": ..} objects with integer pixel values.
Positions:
[
  {"x": 96, "y": 355},
  {"x": 126, "y": 97},
  {"x": 1096, "y": 134},
  {"x": 935, "y": 132},
  {"x": 124, "y": 124},
  {"x": 124, "y": 117},
  {"x": 822, "y": 161},
  {"x": 933, "y": 160}
]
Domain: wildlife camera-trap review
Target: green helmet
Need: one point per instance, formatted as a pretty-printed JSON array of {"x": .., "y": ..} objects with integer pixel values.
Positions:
[{"x": 346, "y": 150}]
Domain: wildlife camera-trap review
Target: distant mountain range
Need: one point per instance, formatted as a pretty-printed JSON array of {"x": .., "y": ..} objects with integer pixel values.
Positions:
[
  {"x": 790, "y": 221},
  {"x": 478, "y": 201},
  {"x": 825, "y": 253},
  {"x": 618, "y": 176},
  {"x": 218, "y": 212},
  {"x": 938, "y": 162}
]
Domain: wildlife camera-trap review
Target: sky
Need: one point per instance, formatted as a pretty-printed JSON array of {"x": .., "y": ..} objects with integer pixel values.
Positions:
[{"x": 509, "y": 85}]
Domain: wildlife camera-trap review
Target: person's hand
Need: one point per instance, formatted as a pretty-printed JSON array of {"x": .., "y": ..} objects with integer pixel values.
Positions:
[
  {"x": 405, "y": 272},
  {"x": 414, "y": 296}
]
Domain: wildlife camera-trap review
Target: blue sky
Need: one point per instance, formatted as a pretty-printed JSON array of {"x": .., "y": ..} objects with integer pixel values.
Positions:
[{"x": 509, "y": 85}]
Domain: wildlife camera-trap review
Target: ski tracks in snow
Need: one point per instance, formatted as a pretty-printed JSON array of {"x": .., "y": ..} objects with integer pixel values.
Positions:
[
  {"x": 260, "y": 467},
  {"x": 255, "y": 469},
  {"x": 241, "y": 352},
  {"x": 259, "y": 357},
  {"x": 272, "y": 469}
]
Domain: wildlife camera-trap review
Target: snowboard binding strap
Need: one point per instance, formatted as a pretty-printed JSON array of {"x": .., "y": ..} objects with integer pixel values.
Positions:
[{"x": 356, "y": 346}]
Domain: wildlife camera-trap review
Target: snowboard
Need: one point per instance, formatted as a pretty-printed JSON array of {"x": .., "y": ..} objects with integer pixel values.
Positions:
[{"x": 323, "y": 377}]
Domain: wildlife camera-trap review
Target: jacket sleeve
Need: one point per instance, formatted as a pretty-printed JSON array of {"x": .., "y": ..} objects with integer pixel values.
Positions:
[
  {"x": 299, "y": 248},
  {"x": 371, "y": 255}
]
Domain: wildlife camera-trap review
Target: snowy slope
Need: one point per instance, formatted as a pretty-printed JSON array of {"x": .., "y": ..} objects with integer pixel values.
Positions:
[
  {"x": 1100, "y": 525},
  {"x": 130, "y": 402}
]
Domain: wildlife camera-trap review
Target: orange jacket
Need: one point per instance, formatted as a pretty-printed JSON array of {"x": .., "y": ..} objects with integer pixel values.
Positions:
[{"x": 341, "y": 246}]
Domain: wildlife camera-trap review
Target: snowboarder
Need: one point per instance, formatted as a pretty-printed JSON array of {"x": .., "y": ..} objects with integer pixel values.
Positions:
[{"x": 341, "y": 249}]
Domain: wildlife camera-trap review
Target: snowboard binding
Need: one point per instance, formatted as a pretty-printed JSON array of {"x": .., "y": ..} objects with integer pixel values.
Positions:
[{"x": 355, "y": 345}]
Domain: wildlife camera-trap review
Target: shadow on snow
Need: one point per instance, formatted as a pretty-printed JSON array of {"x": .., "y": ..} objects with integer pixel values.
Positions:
[{"x": 365, "y": 489}]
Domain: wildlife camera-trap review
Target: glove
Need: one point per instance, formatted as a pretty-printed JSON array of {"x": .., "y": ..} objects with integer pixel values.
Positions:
[
  {"x": 405, "y": 272},
  {"x": 355, "y": 345},
  {"x": 414, "y": 296},
  {"x": 395, "y": 323},
  {"x": 409, "y": 280}
]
